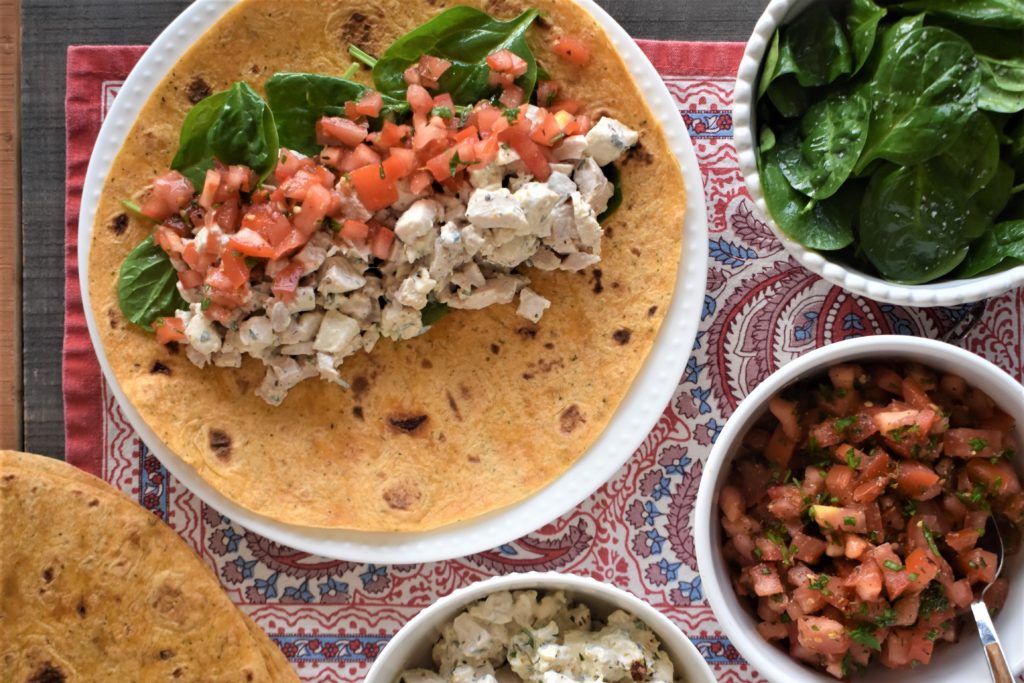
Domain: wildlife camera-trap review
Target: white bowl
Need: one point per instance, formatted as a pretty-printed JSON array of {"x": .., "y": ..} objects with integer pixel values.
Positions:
[
  {"x": 411, "y": 646},
  {"x": 956, "y": 663},
  {"x": 944, "y": 293},
  {"x": 633, "y": 420}
]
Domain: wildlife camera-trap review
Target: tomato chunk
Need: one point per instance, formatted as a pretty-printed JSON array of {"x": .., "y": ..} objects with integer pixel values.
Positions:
[
  {"x": 374, "y": 189},
  {"x": 572, "y": 50},
  {"x": 169, "y": 330},
  {"x": 335, "y": 130}
]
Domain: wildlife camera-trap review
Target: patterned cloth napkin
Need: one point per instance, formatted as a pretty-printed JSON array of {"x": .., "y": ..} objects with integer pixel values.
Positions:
[{"x": 761, "y": 309}]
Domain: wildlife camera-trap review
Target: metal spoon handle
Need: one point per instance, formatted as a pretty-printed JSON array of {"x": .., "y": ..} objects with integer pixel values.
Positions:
[{"x": 997, "y": 665}]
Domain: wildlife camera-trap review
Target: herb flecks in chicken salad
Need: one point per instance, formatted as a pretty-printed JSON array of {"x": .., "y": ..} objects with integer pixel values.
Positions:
[
  {"x": 301, "y": 229},
  {"x": 512, "y": 637}
]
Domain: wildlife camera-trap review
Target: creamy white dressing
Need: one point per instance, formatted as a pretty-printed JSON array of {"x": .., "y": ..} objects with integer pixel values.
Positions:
[
  {"x": 463, "y": 249},
  {"x": 515, "y": 637}
]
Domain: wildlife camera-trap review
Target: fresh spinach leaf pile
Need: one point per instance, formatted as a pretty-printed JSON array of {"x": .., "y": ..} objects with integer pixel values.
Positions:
[{"x": 891, "y": 134}]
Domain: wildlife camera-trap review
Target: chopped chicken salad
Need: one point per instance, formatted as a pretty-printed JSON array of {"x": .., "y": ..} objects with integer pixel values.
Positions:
[{"x": 521, "y": 636}]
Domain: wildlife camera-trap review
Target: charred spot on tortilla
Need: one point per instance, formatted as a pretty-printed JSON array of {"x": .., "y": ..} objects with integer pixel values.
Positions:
[
  {"x": 503, "y": 7},
  {"x": 652, "y": 310},
  {"x": 119, "y": 224},
  {"x": 159, "y": 368},
  {"x": 571, "y": 418},
  {"x": 549, "y": 345},
  {"x": 356, "y": 29},
  {"x": 528, "y": 332},
  {"x": 495, "y": 349},
  {"x": 243, "y": 385},
  {"x": 407, "y": 423},
  {"x": 172, "y": 347},
  {"x": 94, "y": 502},
  {"x": 81, "y": 608},
  {"x": 638, "y": 154},
  {"x": 426, "y": 364},
  {"x": 527, "y": 376},
  {"x": 544, "y": 366},
  {"x": 177, "y": 672},
  {"x": 197, "y": 90},
  {"x": 48, "y": 674},
  {"x": 454, "y": 406},
  {"x": 359, "y": 386},
  {"x": 220, "y": 444},
  {"x": 401, "y": 496},
  {"x": 357, "y": 412},
  {"x": 166, "y": 654},
  {"x": 473, "y": 459},
  {"x": 48, "y": 574},
  {"x": 635, "y": 252},
  {"x": 598, "y": 287},
  {"x": 112, "y": 318}
]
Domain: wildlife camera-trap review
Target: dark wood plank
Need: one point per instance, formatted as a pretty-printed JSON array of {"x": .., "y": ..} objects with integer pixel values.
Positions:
[
  {"x": 49, "y": 26},
  {"x": 10, "y": 226}
]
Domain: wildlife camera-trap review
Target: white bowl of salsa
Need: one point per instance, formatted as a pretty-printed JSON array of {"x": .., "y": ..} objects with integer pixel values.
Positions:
[{"x": 952, "y": 661}]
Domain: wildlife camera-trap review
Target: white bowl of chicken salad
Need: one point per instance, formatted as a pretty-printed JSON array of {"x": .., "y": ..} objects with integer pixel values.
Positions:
[
  {"x": 540, "y": 628},
  {"x": 515, "y": 210}
]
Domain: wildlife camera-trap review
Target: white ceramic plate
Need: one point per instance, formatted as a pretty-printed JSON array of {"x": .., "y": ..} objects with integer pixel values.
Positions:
[
  {"x": 636, "y": 416},
  {"x": 411, "y": 646},
  {"x": 961, "y": 662},
  {"x": 943, "y": 293}
]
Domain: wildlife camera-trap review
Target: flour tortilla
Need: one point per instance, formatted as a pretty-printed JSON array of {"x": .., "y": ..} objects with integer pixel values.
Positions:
[
  {"x": 95, "y": 588},
  {"x": 503, "y": 407}
]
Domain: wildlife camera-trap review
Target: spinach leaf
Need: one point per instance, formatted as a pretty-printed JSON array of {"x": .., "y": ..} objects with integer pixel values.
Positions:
[
  {"x": 611, "y": 172},
  {"x": 814, "y": 48},
  {"x": 787, "y": 96},
  {"x": 768, "y": 66},
  {"x": 298, "y": 100},
  {"x": 432, "y": 312},
  {"x": 766, "y": 140},
  {"x": 862, "y": 17},
  {"x": 1014, "y": 154},
  {"x": 820, "y": 159},
  {"x": 915, "y": 225},
  {"x": 923, "y": 93},
  {"x": 1004, "y": 241},
  {"x": 890, "y": 39},
  {"x": 995, "y": 13},
  {"x": 825, "y": 225},
  {"x": 993, "y": 198},
  {"x": 194, "y": 156},
  {"x": 972, "y": 159},
  {"x": 464, "y": 36},
  {"x": 1002, "y": 85},
  {"x": 234, "y": 126},
  {"x": 146, "y": 285}
]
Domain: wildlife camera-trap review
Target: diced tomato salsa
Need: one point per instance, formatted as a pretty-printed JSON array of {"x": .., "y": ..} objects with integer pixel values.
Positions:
[
  {"x": 256, "y": 231},
  {"x": 854, "y": 510}
]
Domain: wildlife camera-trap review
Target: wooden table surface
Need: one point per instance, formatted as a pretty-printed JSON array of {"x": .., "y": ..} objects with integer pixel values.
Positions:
[{"x": 49, "y": 26}]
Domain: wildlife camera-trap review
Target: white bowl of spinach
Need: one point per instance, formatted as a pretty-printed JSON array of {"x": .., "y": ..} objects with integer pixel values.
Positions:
[{"x": 885, "y": 141}]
